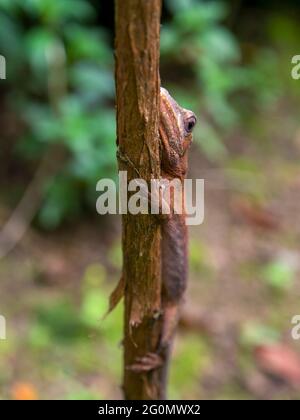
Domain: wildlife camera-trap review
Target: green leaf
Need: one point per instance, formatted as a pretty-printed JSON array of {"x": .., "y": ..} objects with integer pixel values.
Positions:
[
  {"x": 91, "y": 43},
  {"x": 190, "y": 361},
  {"x": 11, "y": 46},
  {"x": 57, "y": 12},
  {"x": 44, "y": 124},
  {"x": 61, "y": 200},
  {"x": 94, "y": 83},
  {"x": 39, "y": 336},
  {"x": 220, "y": 45},
  {"x": 93, "y": 307},
  {"x": 38, "y": 42},
  {"x": 180, "y": 5},
  {"x": 60, "y": 320},
  {"x": 279, "y": 275},
  {"x": 255, "y": 334},
  {"x": 8, "y": 5},
  {"x": 197, "y": 18}
]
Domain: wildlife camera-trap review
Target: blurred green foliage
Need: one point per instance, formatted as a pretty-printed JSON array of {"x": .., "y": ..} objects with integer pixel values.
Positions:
[
  {"x": 228, "y": 81},
  {"x": 65, "y": 349},
  {"x": 61, "y": 84},
  {"x": 196, "y": 37},
  {"x": 279, "y": 275},
  {"x": 254, "y": 334},
  {"x": 192, "y": 357},
  {"x": 199, "y": 259}
]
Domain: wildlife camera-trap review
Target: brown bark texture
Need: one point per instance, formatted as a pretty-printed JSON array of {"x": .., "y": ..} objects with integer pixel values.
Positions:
[{"x": 137, "y": 84}]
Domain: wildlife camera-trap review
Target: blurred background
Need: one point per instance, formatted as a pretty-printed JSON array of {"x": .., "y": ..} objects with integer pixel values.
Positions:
[{"x": 230, "y": 62}]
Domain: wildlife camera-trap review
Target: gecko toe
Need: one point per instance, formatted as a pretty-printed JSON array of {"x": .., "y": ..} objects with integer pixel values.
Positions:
[{"x": 147, "y": 363}]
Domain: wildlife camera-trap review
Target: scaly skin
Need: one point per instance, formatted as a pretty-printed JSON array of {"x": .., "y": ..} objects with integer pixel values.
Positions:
[{"x": 176, "y": 125}]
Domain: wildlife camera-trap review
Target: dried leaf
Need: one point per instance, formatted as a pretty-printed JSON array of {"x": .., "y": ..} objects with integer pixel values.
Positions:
[
  {"x": 116, "y": 296},
  {"x": 255, "y": 215},
  {"x": 24, "y": 391},
  {"x": 279, "y": 360}
]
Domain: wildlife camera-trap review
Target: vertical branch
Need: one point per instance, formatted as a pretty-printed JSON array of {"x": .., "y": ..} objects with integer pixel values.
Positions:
[{"x": 137, "y": 82}]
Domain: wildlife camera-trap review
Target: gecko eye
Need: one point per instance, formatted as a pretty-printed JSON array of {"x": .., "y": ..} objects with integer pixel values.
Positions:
[{"x": 190, "y": 124}]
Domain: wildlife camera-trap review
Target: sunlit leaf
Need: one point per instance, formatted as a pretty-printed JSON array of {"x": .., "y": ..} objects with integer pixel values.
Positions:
[
  {"x": 254, "y": 334},
  {"x": 279, "y": 275}
]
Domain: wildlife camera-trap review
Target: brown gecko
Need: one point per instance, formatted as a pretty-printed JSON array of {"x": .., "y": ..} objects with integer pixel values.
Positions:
[{"x": 175, "y": 130}]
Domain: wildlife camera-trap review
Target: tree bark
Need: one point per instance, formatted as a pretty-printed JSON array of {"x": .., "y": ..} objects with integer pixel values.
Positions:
[{"x": 138, "y": 84}]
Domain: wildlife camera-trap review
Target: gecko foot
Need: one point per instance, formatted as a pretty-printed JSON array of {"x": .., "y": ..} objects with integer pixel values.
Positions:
[{"x": 150, "y": 361}]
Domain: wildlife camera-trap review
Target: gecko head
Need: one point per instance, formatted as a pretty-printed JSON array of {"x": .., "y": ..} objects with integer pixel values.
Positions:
[{"x": 176, "y": 128}]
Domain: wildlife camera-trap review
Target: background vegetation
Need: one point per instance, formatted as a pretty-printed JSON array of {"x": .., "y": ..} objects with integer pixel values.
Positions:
[{"x": 231, "y": 63}]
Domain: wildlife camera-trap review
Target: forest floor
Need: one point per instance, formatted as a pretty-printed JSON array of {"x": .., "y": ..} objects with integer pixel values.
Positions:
[{"x": 235, "y": 336}]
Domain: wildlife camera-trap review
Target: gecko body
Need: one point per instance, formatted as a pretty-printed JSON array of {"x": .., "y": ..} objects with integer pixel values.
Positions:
[{"x": 175, "y": 130}]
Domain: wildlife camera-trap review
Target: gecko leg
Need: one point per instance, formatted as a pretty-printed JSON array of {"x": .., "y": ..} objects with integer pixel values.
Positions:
[
  {"x": 152, "y": 361},
  {"x": 146, "y": 363},
  {"x": 171, "y": 317}
]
